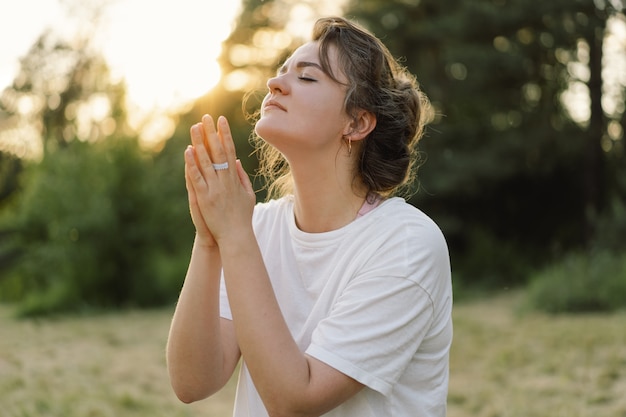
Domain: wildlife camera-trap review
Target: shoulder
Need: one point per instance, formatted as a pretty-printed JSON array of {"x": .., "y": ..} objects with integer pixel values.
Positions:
[
  {"x": 396, "y": 217},
  {"x": 404, "y": 239},
  {"x": 272, "y": 217},
  {"x": 273, "y": 207}
]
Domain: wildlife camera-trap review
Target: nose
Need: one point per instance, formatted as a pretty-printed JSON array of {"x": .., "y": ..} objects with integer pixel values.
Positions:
[{"x": 278, "y": 85}]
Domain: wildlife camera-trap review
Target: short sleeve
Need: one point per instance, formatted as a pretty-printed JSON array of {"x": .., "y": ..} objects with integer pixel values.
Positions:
[{"x": 374, "y": 330}]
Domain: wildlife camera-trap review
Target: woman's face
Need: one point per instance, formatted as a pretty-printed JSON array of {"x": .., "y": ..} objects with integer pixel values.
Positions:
[{"x": 303, "y": 110}]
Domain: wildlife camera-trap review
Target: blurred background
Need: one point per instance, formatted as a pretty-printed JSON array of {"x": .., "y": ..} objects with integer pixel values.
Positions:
[{"x": 524, "y": 165}]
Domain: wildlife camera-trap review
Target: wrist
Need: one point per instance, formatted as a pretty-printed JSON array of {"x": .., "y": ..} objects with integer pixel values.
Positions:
[
  {"x": 237, "y": 241},
  {"x": 205, "y": 243}
]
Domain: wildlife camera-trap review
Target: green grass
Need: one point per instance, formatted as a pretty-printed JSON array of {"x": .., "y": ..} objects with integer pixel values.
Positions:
[
  {"x": 111, "y": 365},
  {"x": 503, "y": 364}
]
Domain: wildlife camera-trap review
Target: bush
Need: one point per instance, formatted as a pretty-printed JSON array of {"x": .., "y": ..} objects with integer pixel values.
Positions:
[
  {"x": 611, "y": 227},
  {"x": 581, "y": 283},
  {"x": 96, "y": 227},
  {"x": 488, "y": 263}
]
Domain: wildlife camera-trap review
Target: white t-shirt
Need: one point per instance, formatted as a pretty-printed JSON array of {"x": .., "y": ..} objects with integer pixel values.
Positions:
[{"x": 372, "y": 299}]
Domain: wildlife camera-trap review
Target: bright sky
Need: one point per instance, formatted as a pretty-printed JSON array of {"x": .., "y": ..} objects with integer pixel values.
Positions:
[{"x": 166, "y": 50}]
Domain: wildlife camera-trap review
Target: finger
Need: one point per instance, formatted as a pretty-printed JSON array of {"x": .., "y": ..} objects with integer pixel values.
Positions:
[
  {"x": 191, "y": 195},
  {"x": 193, "y": 174},
  {"x": 227, "y": 140},
  {"x": 216, "y": 150},
  {"x": 205, "y": 142},
  {"x": 194, "y": 208},
  {"x": 202, "y": 158},
  {"x": 243, "y": 177},
  {"x": 191, "y": 191},
  {"x": 196, "y": 134},
  {"x": 188, "y": 185}
]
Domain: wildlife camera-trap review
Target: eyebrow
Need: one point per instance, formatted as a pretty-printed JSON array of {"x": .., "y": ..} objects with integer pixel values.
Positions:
[{"x": 301, "y": 64}]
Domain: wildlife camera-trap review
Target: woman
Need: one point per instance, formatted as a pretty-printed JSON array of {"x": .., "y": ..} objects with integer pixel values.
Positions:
[{"x": 336, "y": 295}]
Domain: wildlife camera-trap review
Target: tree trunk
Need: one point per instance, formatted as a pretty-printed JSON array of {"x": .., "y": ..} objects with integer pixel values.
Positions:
[{"x": 594, "y": 186}]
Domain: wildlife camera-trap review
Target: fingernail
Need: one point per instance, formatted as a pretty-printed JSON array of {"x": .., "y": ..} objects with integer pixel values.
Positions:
[{"x": 195, "y": 130}]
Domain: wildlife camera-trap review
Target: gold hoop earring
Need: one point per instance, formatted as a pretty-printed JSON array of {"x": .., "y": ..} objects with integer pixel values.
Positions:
[{"x": 349, "y": 146}]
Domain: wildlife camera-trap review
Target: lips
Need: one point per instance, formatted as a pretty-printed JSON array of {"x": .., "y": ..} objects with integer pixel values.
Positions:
[{"x": 272, "y": 104}]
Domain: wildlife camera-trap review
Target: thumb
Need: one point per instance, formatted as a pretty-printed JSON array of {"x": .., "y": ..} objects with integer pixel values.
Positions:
[{"x": 243, "y": 177}]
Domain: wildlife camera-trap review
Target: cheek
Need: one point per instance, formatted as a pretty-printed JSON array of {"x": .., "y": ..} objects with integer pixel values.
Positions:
[{"x": 326, "y": 111}]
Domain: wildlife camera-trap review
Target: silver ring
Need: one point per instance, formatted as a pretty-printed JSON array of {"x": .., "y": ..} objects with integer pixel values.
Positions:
[{"x": 220, "y": 167}]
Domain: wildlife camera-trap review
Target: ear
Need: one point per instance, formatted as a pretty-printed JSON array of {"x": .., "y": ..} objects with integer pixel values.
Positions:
[{"x": 361, "y": 125}]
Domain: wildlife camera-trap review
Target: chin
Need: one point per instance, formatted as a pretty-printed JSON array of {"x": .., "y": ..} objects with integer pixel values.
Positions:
[{"x": 268, "y": 131}]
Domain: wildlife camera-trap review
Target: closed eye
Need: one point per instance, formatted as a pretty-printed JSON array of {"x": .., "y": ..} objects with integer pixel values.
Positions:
[{"x": 307, "y": 79}]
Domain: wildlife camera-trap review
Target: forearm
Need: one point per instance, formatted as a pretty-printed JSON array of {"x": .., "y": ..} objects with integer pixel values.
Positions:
[
  {"x": 279, "y": 369},
  {"x": 195, "y": 354}
]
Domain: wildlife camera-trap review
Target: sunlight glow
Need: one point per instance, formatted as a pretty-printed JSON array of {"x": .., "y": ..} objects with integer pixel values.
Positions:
[
  {"x": 166, "y": 52},
  {"x": 576, "y": 98}
]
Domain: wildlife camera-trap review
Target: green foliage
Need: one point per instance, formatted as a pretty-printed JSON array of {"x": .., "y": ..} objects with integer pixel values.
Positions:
[
  {"x": 581, "y": 283},
  {"x": 491, "y": 263},
  {"x": 504, "y": 156},
  {"x": 98, "y": 223},
  {"x": 107, "y": 225},
  {"x": 95, "y": 229},
  {"x": 60, "y": 77},
  {"x": 10, "y": 166},
  {"x": 611, "y": 228},
  {"x": 587, "y": 281}
]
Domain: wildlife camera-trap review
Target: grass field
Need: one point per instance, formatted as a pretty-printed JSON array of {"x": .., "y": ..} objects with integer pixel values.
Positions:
[{"x": 503, "y": 364}]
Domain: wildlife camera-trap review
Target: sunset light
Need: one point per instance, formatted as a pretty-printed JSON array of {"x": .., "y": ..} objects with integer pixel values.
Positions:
[{"x": 164, "y": 51}]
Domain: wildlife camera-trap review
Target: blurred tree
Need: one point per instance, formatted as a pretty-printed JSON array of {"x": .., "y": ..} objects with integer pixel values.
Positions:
[
  {"x": 511, "y": 175},
  {"x": 10, "y": 167},
  {"x": 62, "y": 91},
  {"x": 95, "y": 229},
  {"x": 265, "y": 33},
  {"x": 97, "y": 221}
]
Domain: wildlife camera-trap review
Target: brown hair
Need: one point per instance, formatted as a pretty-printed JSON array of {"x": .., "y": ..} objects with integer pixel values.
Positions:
[{"x": 376, "y": 83}]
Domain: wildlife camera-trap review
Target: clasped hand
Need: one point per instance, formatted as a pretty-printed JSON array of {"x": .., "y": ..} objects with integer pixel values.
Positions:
[{"x": 221, "y": 201}]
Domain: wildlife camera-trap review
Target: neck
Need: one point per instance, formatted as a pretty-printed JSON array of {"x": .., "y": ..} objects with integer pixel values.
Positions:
[{"x": 325, "y": 199}]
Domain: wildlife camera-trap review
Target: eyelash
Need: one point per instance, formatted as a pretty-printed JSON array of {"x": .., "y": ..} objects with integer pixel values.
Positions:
[{"x": 307, "y": 79}]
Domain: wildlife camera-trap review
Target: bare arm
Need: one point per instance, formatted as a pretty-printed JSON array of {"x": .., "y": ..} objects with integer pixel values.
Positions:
[
  {"x": 290, "y": 383},
  {"x": 202, "y": 351}
]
